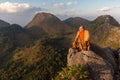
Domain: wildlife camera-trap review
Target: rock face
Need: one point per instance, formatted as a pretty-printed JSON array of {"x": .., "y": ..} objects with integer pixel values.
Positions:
[
  {"x": 118, "y": 57},
  {"x": 100, "y": 62}
]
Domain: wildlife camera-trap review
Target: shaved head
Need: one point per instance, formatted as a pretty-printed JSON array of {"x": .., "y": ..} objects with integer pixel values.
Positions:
[{"x": 81, "y": 28}]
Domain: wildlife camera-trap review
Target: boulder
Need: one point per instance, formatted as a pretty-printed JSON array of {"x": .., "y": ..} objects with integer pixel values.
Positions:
[
  {"x": 118, "y": 50},
  {"x": 101, "y": 62},
  {"x": 105, "y": 53},
  {"x": 99, "y": 67}
]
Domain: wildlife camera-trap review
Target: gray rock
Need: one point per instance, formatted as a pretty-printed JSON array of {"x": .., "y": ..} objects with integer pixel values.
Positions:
[
  {"x": 100, "y": 68},
  {"x": 109, "y": 56},
  {"x": 118, "y": 50}
]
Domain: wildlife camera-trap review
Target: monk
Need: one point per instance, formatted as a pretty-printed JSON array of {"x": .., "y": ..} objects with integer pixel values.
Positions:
[{"x": 81, "y": 40}]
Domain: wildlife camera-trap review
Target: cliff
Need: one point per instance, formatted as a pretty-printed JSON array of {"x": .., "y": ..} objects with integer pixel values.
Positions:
[{"x": 100, "y": 62}]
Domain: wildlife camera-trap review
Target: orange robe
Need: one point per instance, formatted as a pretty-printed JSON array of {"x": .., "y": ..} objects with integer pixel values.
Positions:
[{"x": 82, "y": 38}]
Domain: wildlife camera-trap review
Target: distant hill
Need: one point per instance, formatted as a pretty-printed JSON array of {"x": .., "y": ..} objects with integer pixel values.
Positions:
[
  {"x": 39, "y": 50},
  {"x": 16, "y": 33},
  {"x": 3, "y": 24},
  {"x": 101, "y": 29},
  {"x": 108, "y": 19},
  {"x": 104, "y": 28},
  {"x": 12, "y": 37},
  {"x": 47, "y": 24},
  {"x": 76, "y": 22}
]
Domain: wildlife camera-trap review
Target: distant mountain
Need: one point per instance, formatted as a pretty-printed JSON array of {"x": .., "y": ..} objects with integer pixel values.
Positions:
[
  {"x": 104, "y": 28},
  {"x": 101, "y": 29},
  {"x": 106, "y": 19},
  {"x": 47, "y": 24},
  {"x": 76, "y": 22},
  {"x": 3, "y": 24},
  {"x": 25, "y": 55},
  {"x": 12, "y": 37},
  {"x": 16, "y": 33}
]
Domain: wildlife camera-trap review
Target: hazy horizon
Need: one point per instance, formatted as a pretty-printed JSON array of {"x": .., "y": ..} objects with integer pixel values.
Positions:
[{"x": 21, "y": 12}]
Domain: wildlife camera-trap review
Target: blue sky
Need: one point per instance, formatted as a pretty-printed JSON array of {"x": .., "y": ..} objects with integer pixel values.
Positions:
[{"x": 22, "y": 11}]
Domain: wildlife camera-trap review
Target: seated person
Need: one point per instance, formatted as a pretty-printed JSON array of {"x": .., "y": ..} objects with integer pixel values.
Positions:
[{"x": 81, "y": 40}]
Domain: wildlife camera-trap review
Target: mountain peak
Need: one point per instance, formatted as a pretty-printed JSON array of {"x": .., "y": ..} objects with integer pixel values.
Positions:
[
  {"x": 3, "y": 24},
  {"x": 107, "y": 19},
  {"x": 43, "y": 15},
  {"x": 76, "y": 21},
  {"x": 48, "y": 24},
  {"x": 41, "y": 18}
]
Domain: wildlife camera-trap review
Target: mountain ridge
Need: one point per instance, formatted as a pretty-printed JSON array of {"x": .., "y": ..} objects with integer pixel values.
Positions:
[
  {"x": 47, "y": 24},
  {"x": 107, "y": 19},
  {"x": 76, "y": 21},
  {"x": 101, "y": 28},
  {"x": 39, "y": 50},
  {"x": 4, "y": 24}
]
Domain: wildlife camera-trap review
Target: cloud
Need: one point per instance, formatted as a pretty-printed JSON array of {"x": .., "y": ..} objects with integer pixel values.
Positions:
[
  {"x": 21, "y": 18},
  {"x": 116, "y": 6},
  {"x": 69, "y": 13},
  {"x": 58, "y": 5},
  {"x": 64, "y": 5},
  {"x": 43, "y": 4},
  {"x": 20, "y": 13},
  {"x": 71, "y": 3},
  {"x": 9, "y": 7},
  {"x": 105, "y": 9}
]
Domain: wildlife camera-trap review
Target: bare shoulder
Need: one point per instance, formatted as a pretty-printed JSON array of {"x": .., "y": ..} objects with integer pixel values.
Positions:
[
  {"x": 86, "y": 31},
  {"x": 86, "y": 35}
]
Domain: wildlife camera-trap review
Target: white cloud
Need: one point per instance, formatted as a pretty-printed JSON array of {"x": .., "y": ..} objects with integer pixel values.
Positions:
[
  {"x": 109, "y": 8},
  {"x": 9, "y": 7},
  {"x": 63, "y": 5},
  {"x": 43, "y": 4},
  {"x": 71, "y": 3},
  {"x": 58, "y": 5},
  {"x": 105, "y": 9},
  {"x": 20, "y": 13},
  {"x": 116, "y": 6}
]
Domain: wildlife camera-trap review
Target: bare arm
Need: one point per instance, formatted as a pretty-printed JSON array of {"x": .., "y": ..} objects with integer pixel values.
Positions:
[
  {"x": 76, "y": 37},
  {"x": 86, "y": 35},
  {"x": 74, "y": 42}
]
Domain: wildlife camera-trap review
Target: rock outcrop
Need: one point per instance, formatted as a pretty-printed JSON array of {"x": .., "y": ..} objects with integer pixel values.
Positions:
[
  {"x": 100, "y": 62},
  {"x": 118, "y": 50}
]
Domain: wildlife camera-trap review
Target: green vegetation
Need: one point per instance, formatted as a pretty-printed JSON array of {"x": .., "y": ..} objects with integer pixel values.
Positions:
[
  {"x": 39, "y": 51},
  {"x": 77, "y": 71},
  {"x": 104, "y": 31},
  {"x": 40, "y": 61}
]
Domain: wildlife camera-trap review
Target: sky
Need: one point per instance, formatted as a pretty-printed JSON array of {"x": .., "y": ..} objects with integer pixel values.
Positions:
[{"x": 22, "y": 11}]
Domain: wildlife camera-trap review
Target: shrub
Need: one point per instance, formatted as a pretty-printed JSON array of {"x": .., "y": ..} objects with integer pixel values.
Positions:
[{"x": 68, "y": 72}]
